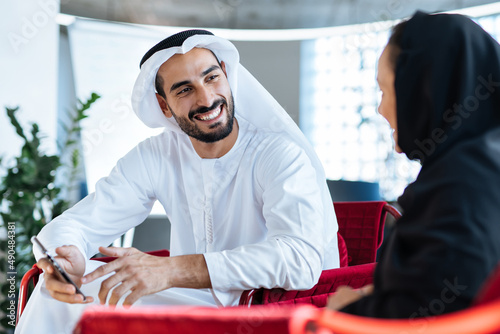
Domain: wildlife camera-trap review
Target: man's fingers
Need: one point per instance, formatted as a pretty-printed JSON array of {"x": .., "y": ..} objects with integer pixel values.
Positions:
[
  {"x": 132, "y": 298},
  {"x": 71, "y": 299},
  {"x": 65, "y": 251},
  {"x": 111, "y": 266},
  {"x": 119, "y": 291},
  {"x": 101, "y": 271},
  {"x": 53, "y": 284},
  {"x": 110, "y": 251},
  {"x": 61, "y": 291},
  {"x": 109, "y": 284},
  {"x": 117, "y": 251},
  {"x": 45, "y": 265}
]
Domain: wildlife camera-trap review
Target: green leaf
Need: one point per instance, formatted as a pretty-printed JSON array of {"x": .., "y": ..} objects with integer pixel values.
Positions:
[
  {"x": 15, "y": 123},
  {"x": 29, "y": 185}
]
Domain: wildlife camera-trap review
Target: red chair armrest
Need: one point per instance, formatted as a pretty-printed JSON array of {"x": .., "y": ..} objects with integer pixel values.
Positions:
[
  {"x": 31, "y": 276},
  {"x": 355, "y": 277},
  {"x": 160, "y": 252},
  {"x": 184, "y": 319}
]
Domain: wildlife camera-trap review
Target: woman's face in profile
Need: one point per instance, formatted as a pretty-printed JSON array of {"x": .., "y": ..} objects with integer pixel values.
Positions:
[{"x": 386, "y": 79}]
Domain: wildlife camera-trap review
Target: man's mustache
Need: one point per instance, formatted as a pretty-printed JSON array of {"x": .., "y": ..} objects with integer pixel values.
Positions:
[{"x": 202, "y": 110}]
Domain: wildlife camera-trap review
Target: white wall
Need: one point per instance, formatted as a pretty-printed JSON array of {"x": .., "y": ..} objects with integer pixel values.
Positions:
[
  {"x": 28, "y": 67},
  {"x": 277, "y": 67},
  {"x": 106, "y": 61}
]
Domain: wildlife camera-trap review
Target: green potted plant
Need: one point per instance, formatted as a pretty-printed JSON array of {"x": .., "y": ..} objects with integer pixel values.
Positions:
[{"x": 30, "y": 198}]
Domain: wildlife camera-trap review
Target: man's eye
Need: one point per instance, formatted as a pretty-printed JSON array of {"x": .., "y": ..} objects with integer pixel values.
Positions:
[
  {"x": 212, "y": 77},
  {"x": 185, "y": 90}
]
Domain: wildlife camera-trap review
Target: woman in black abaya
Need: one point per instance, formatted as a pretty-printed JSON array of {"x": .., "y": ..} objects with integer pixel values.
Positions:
[{"x": 440, "y": 79}]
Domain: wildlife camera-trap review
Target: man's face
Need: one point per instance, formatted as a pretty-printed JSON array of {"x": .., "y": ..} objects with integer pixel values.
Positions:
[{"x": 198, "y": 95}]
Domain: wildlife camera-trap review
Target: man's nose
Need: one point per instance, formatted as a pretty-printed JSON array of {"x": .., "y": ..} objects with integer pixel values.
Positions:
[{"x": 205, "y": 97}]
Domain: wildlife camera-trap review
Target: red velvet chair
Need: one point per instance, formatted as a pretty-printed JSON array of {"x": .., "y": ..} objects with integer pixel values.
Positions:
[
  {"x": 185, "y": 320},
  {"x": 301, "y": 319},
  {"x": 362, "y": 225},
  {"x": 483, "y": 317}
]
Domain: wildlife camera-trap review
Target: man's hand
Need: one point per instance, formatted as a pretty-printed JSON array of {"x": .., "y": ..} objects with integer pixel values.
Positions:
[
  {"x": 144, "y": 274},
  {"x": 346, "y": 295},
  {"x": 73, "y": 262},
  {"x": 135, "y": 271}
]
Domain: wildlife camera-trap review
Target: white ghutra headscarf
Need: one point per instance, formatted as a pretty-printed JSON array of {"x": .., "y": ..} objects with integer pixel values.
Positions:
[{"x": 249, "y": 95}]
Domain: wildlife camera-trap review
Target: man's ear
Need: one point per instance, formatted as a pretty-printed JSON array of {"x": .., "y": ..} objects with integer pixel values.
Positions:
[
  {"x": 223, "y": 67},
  {"x": 163, "y": 105}
]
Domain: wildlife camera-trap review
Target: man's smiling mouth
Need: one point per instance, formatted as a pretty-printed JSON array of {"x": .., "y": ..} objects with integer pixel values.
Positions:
[{"x": 210, "y": 116}]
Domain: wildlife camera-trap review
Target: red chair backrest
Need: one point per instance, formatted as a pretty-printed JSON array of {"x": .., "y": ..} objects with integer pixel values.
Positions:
[
  {"x": 343, "y": 256},
  {"x": 361, "y": 225},
  {"x": 363, "y": 220}
]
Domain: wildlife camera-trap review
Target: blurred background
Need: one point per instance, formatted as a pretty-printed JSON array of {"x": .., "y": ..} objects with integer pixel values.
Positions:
[{"x": 317, "y": 58}]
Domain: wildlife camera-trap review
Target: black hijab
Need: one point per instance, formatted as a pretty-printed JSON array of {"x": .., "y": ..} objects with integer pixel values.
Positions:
[
  {"x": 447, "y": 84},
  {"x": 448, "y": 113}
]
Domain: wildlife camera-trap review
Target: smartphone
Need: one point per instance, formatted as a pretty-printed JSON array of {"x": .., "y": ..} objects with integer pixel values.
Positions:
[{"x": 59, "y": 271}]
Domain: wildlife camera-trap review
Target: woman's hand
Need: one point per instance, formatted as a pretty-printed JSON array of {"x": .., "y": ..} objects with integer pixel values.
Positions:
[{"x": 346, "y": 295}]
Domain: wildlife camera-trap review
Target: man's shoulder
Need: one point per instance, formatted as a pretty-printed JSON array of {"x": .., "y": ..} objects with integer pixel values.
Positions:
[
  {"x": 162, "y": 146},
  {"x": 267, "y": 145},
  {"x": 163, "y": 140},
  {"x": 267, "y": 136},
  {"x": 273, "y": 140}
]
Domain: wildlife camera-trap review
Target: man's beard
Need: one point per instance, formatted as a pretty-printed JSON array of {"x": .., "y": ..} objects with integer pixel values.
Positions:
[{"x": 220, "y": 132}]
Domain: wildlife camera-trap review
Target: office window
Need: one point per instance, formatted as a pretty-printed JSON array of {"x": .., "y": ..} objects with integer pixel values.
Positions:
[{"x": 339, "y": 100}]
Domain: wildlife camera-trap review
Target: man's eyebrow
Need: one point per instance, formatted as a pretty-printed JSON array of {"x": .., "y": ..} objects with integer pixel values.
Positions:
[
  {"x": 179, "y": 84},
  {"x": 210, "y": 69},
  {"x": 186, "y": 82}
]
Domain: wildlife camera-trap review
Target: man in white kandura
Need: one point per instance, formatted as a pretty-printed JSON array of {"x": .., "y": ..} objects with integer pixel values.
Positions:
[{"x": 244, "y": 192}]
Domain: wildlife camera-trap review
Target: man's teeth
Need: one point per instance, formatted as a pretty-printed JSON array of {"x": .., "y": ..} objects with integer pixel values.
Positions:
[{"x": 210, "y": 116}]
